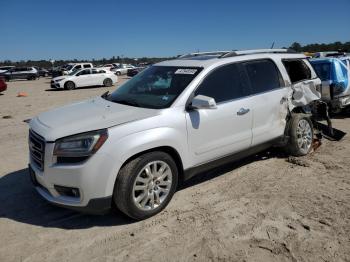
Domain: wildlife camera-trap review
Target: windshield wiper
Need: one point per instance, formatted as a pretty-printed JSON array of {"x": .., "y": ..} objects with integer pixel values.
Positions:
[
  {"x": 126, "y": 102},
  {"x": 105, "y": 95}
]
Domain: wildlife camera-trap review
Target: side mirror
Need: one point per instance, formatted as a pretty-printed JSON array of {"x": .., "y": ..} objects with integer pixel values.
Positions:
[{"x": 203, "y": 102}]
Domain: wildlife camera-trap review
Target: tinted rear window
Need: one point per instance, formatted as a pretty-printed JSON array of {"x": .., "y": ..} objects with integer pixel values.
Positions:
[
  {"x": 297, "y": 70},
  {"x": 264, "y": 75}
]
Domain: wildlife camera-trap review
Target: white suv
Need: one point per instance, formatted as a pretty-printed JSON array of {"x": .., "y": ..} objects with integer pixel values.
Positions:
[
  {"x": 69, "y": 68},
  {"x": 170, "y": 121}
]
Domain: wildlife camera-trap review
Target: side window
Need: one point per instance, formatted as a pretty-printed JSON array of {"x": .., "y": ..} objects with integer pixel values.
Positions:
[
  {"x": 264, "y": 76},
  {"x": 87, "y": 66},
  {"x": 94, "y": 71},
  {"x": 84, "y": 72},
  {"x": 297, "y": 70},
  {"x": 77, "y": 67},
  {"x": 224, "y": 84}
]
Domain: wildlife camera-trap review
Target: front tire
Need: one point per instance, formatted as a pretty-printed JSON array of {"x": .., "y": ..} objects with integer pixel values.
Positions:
[
  {"x": 118, "y": 73},
  {"x": 107, "y": 82},
  {"x": 145, "y": 185},
  {"x": 301, "y": 135},
  {"x": 69, "y": 85}
]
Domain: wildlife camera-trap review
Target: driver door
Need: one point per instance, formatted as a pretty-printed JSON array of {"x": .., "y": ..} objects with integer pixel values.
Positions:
[
  {"x": 83, "y": 78},
  {"x": 227, "y": 129}
]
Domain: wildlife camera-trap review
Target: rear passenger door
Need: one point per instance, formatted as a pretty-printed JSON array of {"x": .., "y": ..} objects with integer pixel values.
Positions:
[
  {"x": 214, "y": 133},
  {"x": 270, "y": 100},
  {"x": 97, "y": 76}
]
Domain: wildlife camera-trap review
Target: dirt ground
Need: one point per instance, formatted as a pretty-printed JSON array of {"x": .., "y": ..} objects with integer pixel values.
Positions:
[{"x": 264, "y": 208}]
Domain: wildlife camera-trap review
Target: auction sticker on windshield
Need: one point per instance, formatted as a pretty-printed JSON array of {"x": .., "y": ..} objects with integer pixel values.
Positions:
[{"x": 186, "y": 71}]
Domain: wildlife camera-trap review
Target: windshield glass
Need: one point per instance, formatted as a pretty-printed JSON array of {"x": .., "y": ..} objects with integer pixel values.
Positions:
[
  {"x": 74, "y": 72},
  {"x": 323, "y": 70},
  {"x": 155, "y": 87}
]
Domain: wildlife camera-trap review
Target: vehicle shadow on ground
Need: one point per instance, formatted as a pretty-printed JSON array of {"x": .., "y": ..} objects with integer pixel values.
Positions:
[{"x": 20, "y": 202}]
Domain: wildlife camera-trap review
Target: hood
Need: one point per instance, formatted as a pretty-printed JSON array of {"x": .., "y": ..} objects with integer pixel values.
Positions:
[
  {"x": 86, "y": 116},
  {"x": 60, "y": 77}
]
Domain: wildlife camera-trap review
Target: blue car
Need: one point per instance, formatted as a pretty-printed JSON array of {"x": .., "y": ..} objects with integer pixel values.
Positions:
[{"x": 335, "y": 76}]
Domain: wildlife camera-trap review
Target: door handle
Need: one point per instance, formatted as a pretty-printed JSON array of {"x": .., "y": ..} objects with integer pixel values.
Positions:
[{"x": 242, "y": 111}]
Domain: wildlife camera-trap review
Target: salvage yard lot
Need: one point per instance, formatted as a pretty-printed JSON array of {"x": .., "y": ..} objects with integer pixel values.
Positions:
[{"x": 263, "y": 208}]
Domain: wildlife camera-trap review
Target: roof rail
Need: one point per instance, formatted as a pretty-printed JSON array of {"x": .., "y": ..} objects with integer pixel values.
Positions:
[
  {"x": 257, "y": 51},
  {"x": 214, "y": 53}
]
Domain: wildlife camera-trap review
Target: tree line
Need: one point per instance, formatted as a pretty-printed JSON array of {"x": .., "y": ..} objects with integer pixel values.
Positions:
[{"x": 336, "y": 46}]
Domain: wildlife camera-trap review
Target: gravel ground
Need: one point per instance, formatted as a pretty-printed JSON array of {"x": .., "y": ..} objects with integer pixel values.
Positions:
[{"x": 267, "y": 207}]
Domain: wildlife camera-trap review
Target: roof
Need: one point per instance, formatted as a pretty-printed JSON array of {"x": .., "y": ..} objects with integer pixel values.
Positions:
[{"x": 207, "y": 59}]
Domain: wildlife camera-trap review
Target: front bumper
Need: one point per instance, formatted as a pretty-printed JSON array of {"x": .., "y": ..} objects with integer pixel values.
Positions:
[
  {"x": 99, "y": 205},
  {"x": 85, "y": 186},
  {"x": 95, "y": 206},
  {"x": 55, "y": 85}
]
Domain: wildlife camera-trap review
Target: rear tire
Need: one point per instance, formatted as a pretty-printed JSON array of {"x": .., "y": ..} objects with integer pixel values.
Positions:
[
  {"x": 107, "y": 82},
  {"x": 69, "y": 85},
  {"x": 145, "y": 185},
  {"x": 301, "y": 135}
]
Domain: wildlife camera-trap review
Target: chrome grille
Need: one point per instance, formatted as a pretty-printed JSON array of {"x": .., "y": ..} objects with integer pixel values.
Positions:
[{"x": 37, "y": 149}]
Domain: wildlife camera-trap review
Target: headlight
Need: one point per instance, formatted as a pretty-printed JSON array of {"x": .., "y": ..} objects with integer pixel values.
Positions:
[
  {"x": 80, "y": 145},
  {"x": 60, "y": 79}
]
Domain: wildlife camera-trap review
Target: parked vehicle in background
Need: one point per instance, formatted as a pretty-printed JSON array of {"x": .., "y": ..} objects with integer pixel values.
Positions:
[
  {"x": 346, "y": 61},
  {"x": 122, "y": 69},
  {"x": 74, "y": 67},
  {"x": 134, "y": 71},
  {"x": 329, "y": 54},
  {"x": 169, "y": 122},
  {"x": 3, "y": 85},
  {"x": 335, "y": 76},
  {"x": 42, "y": 71},
  {"x": 69, "y": 68},
  {"x": 29, "y": 73},
  {"x": 85, "y": 77},
  {"x": 3, "y": 69}
]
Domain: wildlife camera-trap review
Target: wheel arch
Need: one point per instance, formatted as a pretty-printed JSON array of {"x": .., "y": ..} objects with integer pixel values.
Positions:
[{"x": 166, "y": 149}]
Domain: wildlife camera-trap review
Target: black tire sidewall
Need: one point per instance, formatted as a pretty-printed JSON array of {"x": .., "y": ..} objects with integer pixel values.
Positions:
[
  {"x": 129, "y": 206},
  {"x": 67, "y": 84},
  {"x": 107, "y": 84}
]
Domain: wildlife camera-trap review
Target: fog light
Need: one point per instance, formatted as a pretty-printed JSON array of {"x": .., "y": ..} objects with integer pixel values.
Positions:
[{"x": 67, "y": 191}]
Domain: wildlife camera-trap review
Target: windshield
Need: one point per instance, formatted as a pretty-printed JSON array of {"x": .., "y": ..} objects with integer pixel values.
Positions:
[
  {"x": 69, "y": 67},
  {"x": 155, "y": 87},
  {"x": 74, "y": 72},
  {"x": 323, "y": 70}
]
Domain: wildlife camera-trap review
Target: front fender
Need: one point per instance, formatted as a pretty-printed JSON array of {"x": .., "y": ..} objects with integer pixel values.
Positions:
[{"x": 136, "y": 143}]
